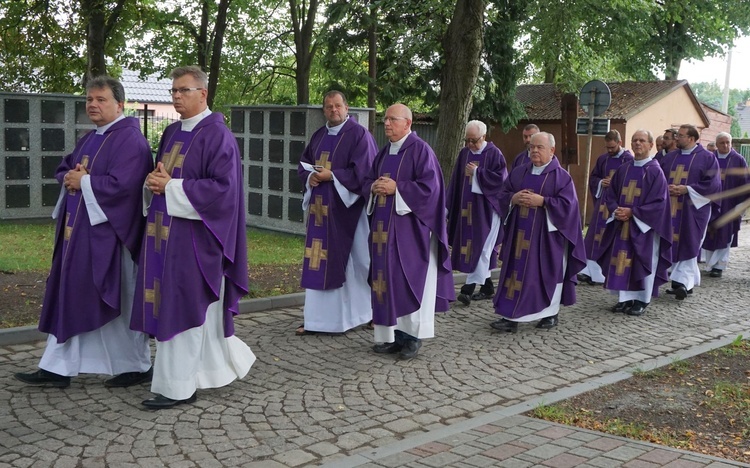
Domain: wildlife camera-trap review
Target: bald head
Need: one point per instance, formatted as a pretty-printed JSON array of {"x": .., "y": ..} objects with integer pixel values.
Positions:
[{"x": 397, "y": 122}]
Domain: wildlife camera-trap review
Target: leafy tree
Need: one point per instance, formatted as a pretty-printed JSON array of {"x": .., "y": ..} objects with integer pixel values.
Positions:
[{"x": 693, "y": 29}]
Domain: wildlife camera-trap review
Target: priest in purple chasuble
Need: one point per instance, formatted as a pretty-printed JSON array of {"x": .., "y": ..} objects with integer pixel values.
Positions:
[
  {"x": 692, "y": 174},
  {"x": 605, "y": 166},
  {"x": 474, "y": 226},
  {"x": 410, "y": 269},
  {"x": 336, "y": 259},
  {"x": 734, "y": 174},
  {"x": 542, "y": 251},
  {"x": 636, "y": 243},
  {"x": 523, "y": 157},
  {"x": 193, "y": 267},
  {"x": 89, "y": 293}
]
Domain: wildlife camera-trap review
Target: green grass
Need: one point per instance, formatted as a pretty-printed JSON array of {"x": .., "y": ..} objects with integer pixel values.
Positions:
[{"x": 27, "y": 246}]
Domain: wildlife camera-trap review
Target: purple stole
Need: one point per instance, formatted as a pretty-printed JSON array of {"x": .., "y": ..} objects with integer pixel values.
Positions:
[
  {"x": 688, "y": 222},
  {"x": 593, "y": 239},
  {"x": 469, "y": 236},
  {"x": 525, "y": 258},
  {"x": 323, "y": 267},
  {"x": 383, "y": 278},
  {"x": 625, "y": 272},
  {"x": 157, "y": 233}
]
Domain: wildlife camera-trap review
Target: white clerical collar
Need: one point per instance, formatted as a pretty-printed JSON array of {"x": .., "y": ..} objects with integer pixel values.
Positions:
[
  {"x": 722, "y": 156},
  {"x": 642, "y": 162},
  {"x": 396, "y": 145},
  {"x": 481, "y": 148},
  {"x": 104, "y": 128},
  {"x": 688, "y": 151},
  {"x": 536, "y": 170},
  {"x": 187, "y": 125},
  {"x": 335, "y": 130},
  {"x": 619, "y": 153}
]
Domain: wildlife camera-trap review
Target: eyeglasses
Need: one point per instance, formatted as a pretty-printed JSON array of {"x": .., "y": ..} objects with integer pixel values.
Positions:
[
  {"x": 174, "y": 91},
  {"x": 680, "y": 135},
  {"x": 392, "y": 119},
  {"x": 472, "y": 141}
]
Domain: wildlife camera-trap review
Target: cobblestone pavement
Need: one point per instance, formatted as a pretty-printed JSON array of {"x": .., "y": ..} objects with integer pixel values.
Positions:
[{"x": 330, "y": 400}]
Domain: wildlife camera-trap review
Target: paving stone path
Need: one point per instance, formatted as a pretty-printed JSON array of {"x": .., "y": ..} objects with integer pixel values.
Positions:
[{"x": 328, "y": 400}]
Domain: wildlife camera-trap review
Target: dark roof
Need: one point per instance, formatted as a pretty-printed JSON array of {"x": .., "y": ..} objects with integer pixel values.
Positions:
[
  {"x": 542, "y": 101},
  {"x": 150, "y": 89}
]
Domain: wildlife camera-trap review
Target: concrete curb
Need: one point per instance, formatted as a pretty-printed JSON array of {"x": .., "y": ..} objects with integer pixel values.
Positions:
[{"x": 19, "y": 335}]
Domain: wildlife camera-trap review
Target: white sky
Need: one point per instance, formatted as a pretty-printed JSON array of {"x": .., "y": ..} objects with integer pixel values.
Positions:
[{"x": 715, "y": 68}]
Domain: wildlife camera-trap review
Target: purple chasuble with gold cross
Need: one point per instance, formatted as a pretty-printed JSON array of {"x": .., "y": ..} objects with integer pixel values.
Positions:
[
  {"x": 470, "y": 214},
  {"x": 606, "y": 166},
  {"x": 184, "y": 261},
  {"x": 531, "y": 255},
  {"x": 626, "y": 256},
  {"x": 330, "y": 223},
  {"x": 700, "y": 171},
  {"x": 734, "y": 174},
  {"x": 83, "y": 287},
  {"x": 400, "y": 244}
]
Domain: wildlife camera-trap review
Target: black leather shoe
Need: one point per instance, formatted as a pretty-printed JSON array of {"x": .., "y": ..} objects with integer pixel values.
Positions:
[
  {"x": 672, "y": 291},
  {"x": 44, "y": 378},
  {"x": 127, "y": 379},
  {"x": 388, "y": 348},
  {"x": 410, "y": 349},
  {"x": 715, "y": 273},
  {"x": 480, "y": 296},
  {"x": 161, "y": 402},
  {"x": 464, "y": 299},
  {"x": 505, "y": 325},
  {"x": 680, "y": 293},
  {"x": 638, "y": 308},
  {"x": 584, "y": 278},
  {"x": 548, "y": 322},
  {"x": 621, "y": 306}
]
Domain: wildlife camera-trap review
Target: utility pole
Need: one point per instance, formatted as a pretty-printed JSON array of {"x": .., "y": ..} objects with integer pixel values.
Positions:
[{"x": 725, "y": 97}]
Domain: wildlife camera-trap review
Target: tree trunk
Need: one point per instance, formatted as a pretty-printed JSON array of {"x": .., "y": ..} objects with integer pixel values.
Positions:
[
  {"x": 219, "y": 30},
  {"x": 372, "y": 64},
  {"x": 98, "y": 27},
  {"x": 303, "y": 25},
  {"x": 463, "y": 47}
]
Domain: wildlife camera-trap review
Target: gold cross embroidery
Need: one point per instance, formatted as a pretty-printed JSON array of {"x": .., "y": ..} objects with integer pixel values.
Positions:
[
  {"x": 466, "y": 251},
  {"x": 157, "y": 230},
  {"x": 512, "y": 285},
  {"x": 604, "y": 211},
  {"x": 316, "y": 254},
  {"x": 675, "y": 237},
  {"x": 631, "y": 191},
  {"x": 678, "y": 175},
  {"x": 611, "y": 173},
  {"x": 379, "y": 287},
  {"x": 85, "y": 161},
  {"x": 381, "y": 198},
  {"x": 471, "y": 176},
  {"x": 153, "y": 296},
  {"x": 525, "y": 209},
  {"x": 68, "y": 229},
  {"x": 675, "y": 205},
  {"x": 466, "y": 213},
  {"x": 622, "y": 262},
  {"x": 521, "y": 244},
  {"x": 318, "y": 209},
  {"x": 598, "y": 236},
  {"x": 380, "y": 237},
  {"x": 323, "y": 160},
  {"x": 173, "y": 158},
  {"x": 625, "y": 232}
]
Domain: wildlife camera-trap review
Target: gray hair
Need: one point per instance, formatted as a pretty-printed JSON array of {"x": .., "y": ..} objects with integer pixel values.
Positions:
[
  {"x": 648, "y": 134},
  {"x": 104, "y": 81},
  {"x": 550, "y": 138},
  {"x": 479, "y": 125},
  {"x": 332, "y": 93},
  {"x": 724, "y": 135},
  {"x": 193, "y": 71}
]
